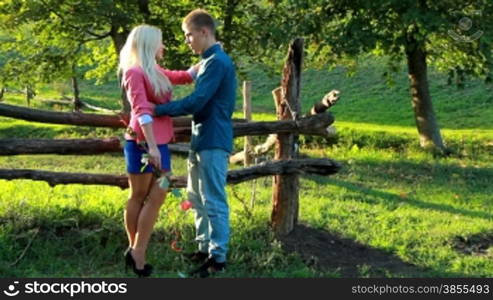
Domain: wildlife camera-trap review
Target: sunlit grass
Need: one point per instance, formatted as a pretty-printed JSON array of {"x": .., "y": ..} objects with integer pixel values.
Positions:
[{"x": 390, "y": 194}]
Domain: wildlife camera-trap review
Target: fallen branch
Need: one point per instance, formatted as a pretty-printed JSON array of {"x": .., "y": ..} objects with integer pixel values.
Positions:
[
  {"x": 36, "y": 231},
  {"x": 257, "y": 151},
  {"x": 97, "y": 108},
  {"x": 323, "y": 167}
]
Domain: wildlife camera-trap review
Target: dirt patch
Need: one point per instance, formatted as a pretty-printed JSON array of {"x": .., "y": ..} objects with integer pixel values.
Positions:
[
  {"x": 328, "y": 252},
  {"x": 478, "y": 244}
]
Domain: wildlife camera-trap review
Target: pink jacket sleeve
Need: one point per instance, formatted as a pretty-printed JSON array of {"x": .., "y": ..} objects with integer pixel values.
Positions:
[
  {"x": 178, "y": 77},
  {"x": 136, "y": 93}
]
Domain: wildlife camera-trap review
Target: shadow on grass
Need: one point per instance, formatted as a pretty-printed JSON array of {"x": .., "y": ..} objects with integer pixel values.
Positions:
[
  {"x": 397, "y": 199},
  {"x": 325, "y": 251},
  {"x": 70, "y": 242},
  {"x": 411, "y": 174}
]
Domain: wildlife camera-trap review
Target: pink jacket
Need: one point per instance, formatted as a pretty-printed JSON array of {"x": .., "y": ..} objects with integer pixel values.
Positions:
[{"x": 142, "y": 99}]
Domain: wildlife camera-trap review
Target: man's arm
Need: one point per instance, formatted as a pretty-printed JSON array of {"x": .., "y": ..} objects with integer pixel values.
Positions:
[{"x": 207, "y": 85}]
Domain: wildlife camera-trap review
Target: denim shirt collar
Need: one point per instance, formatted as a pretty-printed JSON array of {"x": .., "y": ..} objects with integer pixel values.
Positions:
[{"x": 211, "y": 50}]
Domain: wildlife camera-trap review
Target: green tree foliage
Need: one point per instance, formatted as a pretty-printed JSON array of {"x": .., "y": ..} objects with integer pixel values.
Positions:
[
  {"x": 53, "y": 36},
  {"x": 89, "y": 34},
  {"x": 451, "y": 34}
]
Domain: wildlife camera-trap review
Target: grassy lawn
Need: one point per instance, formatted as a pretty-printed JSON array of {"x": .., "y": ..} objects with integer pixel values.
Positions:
[{"x": 433, "y": 213}]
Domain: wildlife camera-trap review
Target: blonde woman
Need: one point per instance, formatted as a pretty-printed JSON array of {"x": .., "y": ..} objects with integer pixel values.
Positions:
[{"x": 146, "y": 85}]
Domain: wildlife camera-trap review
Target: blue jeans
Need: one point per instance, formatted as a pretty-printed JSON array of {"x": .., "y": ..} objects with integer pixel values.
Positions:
[{"x": 207, "y": 172}]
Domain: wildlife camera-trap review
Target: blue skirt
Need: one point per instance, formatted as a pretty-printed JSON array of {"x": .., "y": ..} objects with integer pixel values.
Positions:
[{"x": 133, "y": 155}]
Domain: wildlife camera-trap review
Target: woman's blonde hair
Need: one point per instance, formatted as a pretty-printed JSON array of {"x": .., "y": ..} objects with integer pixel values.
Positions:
[{"x": 140, "y": 50}]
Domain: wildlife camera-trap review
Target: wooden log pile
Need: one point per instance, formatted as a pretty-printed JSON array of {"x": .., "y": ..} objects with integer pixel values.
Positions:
[{"x": 320, "y": 107}]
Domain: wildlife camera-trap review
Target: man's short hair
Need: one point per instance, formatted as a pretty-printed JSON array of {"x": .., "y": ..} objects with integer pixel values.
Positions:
[{"x": 199, "y": 18}]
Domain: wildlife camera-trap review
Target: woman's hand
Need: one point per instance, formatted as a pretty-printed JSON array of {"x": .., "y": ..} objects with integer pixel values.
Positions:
[{"x": 155, "y": 157}]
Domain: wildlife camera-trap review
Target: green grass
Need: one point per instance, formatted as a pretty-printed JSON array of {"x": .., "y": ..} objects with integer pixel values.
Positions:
[{"x": 390, "y": 195}]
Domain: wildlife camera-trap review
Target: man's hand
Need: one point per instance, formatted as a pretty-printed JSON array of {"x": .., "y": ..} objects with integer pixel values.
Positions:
[{"x": 156, "y": 112}]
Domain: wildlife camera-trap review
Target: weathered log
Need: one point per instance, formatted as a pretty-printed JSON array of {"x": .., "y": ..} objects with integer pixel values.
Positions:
[
  {"x": 314, "y": 125},
  {"x": 247, "y": 113},
  {"x": 70, "y": 146},
  {"x": 61, "y": 146},
  {"x": 62, "y": 102},
  {"x": 265, "y": 147},
  {"x": 257, "y": 150},
  {"x": 311, "y": 125},
  {"x": 56, "y": 178},
  {"x": 317, "y": 126},
  {"x": 316, "y": 166},
  {"x": 68, "y": 101},
  {"x": 45, "y": 116},
  {"x": 97, "y": 108},
  {"x": 323, "y": 167},
  {"x": 329, "y": 100},
  {"x": 285, "y": 188},
  {"x": 80, "y": 119}
]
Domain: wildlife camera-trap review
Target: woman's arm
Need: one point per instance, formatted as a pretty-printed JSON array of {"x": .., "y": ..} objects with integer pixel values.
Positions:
[
  {"x": 142, "y": 108},
  {"x": 136, "y": 93},
  {"x": 154, "y": 154},
  {"x": 182, "y": 77}
]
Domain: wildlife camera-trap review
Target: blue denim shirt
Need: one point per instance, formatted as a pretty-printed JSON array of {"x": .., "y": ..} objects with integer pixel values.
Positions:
[{"x": 211, "y": 103}]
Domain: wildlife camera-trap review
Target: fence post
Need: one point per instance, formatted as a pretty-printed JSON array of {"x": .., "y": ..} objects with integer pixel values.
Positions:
[
  {"x": 247, "y": 113},
  {"x": 285, "y": 189}
]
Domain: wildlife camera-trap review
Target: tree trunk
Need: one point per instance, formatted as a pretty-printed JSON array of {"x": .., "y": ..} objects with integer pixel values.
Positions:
[
  {"x": 429, "y": 132},
  {"x": 2, "y": 92},
  {"x": 323, "y": 167},
  {"x": 124, "y": 101},
  {"x": 76, "y": 100},
  {"x": 285, "y": 191},
  {"x": 229, "y": 12},
  {"x": 144, "y": 10},
  {"x": 119, "y": 37},
  {"x": 29, "y": 94}
]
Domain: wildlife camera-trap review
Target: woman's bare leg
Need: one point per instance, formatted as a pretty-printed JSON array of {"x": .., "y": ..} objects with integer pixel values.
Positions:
[
  {"x": 146, "y": 220},
  {"x": 139, "y": 189}
]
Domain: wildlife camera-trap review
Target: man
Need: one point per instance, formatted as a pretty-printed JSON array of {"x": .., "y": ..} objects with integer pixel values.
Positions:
[{"x": 211, "y": 104}]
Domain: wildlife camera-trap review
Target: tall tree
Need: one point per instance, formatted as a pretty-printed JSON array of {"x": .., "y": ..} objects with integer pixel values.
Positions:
[{"x": 447, "y": 33}]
